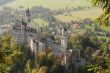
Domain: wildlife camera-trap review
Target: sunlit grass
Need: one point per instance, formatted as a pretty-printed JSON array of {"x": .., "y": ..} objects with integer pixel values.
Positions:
[
  {"x": 105, "y": 28},
  {"x": 40, "y": 22},
  {"x": 82, "y": 14},
  {"x": 52, "y": 4}
]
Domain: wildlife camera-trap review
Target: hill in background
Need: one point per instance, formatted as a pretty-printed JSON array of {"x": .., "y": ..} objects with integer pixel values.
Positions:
[
  {"x": 2, "y": 2},
  {"x": 91, "y": 12},
  {"x": 52, "y": 4}
]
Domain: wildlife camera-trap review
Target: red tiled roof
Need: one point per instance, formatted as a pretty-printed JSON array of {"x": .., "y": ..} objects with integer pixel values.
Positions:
[{"x": 76, "y": 26}]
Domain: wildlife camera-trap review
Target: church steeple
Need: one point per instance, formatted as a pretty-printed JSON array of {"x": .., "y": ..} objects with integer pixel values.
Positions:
[{"x": 28, "y": 15}]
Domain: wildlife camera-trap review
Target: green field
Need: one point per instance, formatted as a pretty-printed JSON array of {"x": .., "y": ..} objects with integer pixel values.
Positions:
[
  {"x": 52, "y": 4},
  {"x": 61, "y": 4},
  {"x": 105, "y": 28},
  {"x": 79, "y": 15},
  {"x": 40, "y": 22}
]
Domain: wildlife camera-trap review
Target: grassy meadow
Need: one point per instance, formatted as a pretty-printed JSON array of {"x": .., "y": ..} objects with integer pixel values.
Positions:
[
  {"x": 79, "y": 15},
  {"x": 52, "y": 4},
  {"x": 40, "y": 22},
  {"x": 60, "y": 4}
]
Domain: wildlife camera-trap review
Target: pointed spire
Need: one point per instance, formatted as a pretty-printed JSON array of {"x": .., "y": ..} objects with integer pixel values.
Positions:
[
  {"x": 24, "y": 24},
  {"x": 28, "y": 15}
]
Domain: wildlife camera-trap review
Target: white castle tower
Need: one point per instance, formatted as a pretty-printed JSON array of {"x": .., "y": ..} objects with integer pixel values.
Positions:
[
  {"x": 78, "y": 54},
  {"x": 32, "y": 44},
  {"x": 64, "y": 38}
]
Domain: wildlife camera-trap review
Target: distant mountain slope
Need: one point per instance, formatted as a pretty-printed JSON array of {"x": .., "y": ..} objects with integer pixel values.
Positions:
[
  {"x": 52, "y": 4},
  {"x": 2, "y": 2}
]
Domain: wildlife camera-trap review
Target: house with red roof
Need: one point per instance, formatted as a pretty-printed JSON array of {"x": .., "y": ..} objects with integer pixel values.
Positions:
[{"x": 76, "y": 26}]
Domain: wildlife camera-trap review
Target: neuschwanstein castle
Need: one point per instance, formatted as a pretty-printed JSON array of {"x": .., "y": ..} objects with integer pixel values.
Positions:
[{"x": 27, "y": 33}]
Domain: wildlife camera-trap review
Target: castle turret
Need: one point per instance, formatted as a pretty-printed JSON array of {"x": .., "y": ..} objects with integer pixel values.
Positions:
[
  {"x": 78, "y": 54},
  {"x": 33, "y": 44},
  {"x": 64, "y": 38},
  {"x": 28, "y": 15},
  {"x": 23, "y": 30}
]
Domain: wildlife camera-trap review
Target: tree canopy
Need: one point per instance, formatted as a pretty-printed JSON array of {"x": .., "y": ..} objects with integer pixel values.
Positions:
[{"x": 105, "y": 17}]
